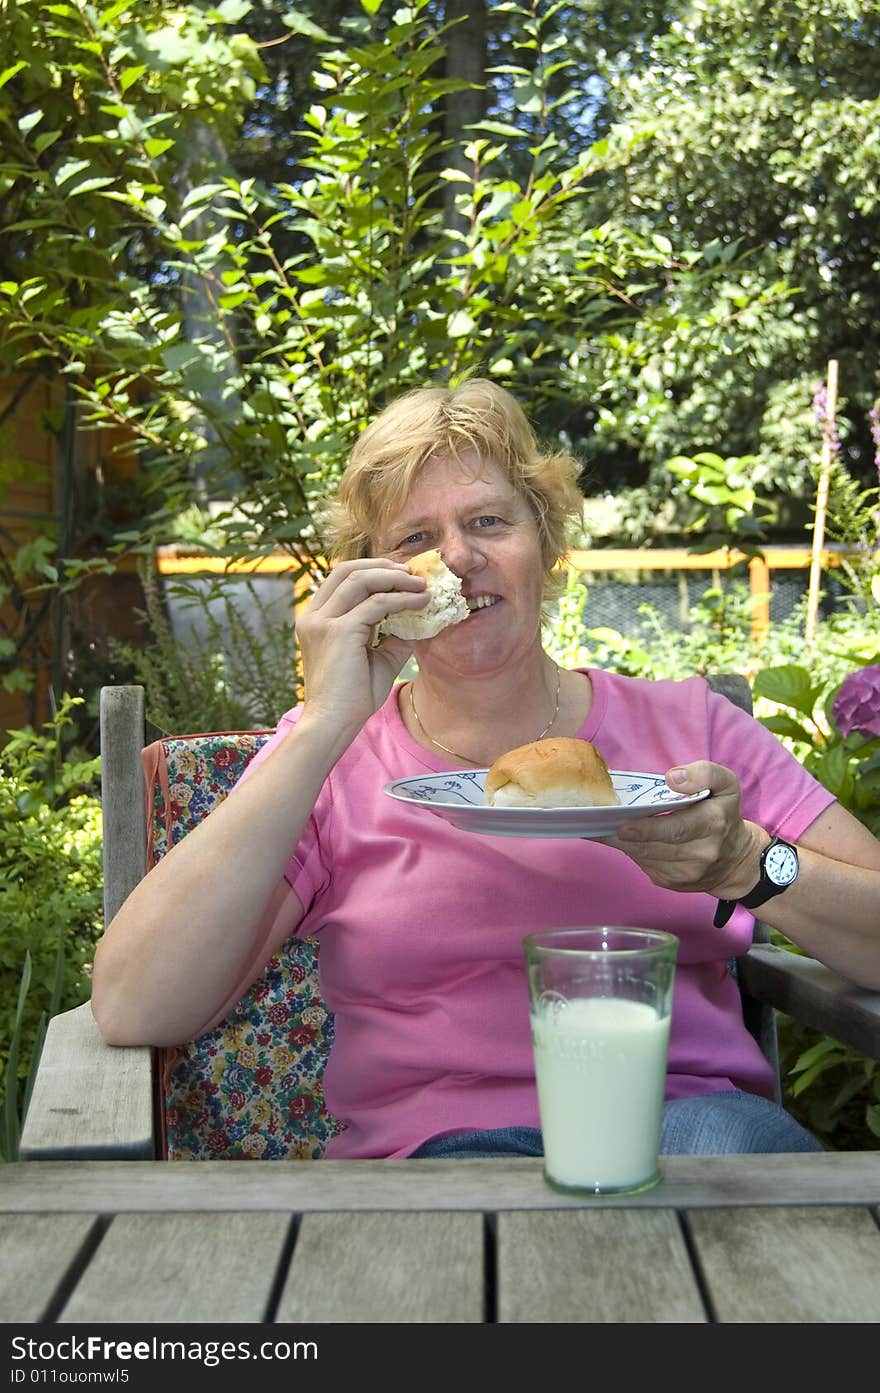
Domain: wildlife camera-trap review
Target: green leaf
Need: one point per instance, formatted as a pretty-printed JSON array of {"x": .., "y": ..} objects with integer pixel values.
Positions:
[
  {"x": 88, "y": 185},
  {"x": 129, "y": 76},
  {"x": 69, "y": 169},
  {"x": 203, "y": 193},
  {"x": 496, "y": 128},
  {"x": 832, "y": 770},
  {"x": 371, "y": 7},
  {"x": 301, "y": 24},
  {"x": 231, "y": 11},
  {"x": 820, "y": 1050},
  {"x": 27, "y": 123},
  {"x": 9, "y": 73},
  {"x": 787, "y": 725},
  {"x": 460, "y": 324},
  {"x": 157, "y": 147},
  {"x": 44, "y": 140},
  {"x": 789, "y": 685},
  {"x": 172, "y": 47}
]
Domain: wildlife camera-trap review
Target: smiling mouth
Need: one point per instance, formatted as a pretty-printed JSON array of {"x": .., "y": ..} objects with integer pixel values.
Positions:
[{"x": 478, "y": 602}]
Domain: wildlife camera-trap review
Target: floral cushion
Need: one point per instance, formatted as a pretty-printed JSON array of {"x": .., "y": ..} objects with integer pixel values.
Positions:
[{"x": 252, "y": 1086}]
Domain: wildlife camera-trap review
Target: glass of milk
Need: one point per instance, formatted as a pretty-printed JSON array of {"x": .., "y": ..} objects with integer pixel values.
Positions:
[{"x": 600, "y": 1003}]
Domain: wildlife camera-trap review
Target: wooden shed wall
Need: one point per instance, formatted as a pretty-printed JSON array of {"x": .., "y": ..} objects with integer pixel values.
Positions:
[{"x": 29, "y": 502}]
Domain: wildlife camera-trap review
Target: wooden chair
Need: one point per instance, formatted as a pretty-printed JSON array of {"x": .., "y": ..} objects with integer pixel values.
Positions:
[{"x": 94, "y": 1101}]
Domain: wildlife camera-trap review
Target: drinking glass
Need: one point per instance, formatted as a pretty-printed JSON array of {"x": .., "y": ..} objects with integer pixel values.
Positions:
[{"x": 600, "y": 1002}]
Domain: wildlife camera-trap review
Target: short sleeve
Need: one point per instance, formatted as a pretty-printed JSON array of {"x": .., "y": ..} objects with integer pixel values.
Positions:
[
  {"x": 777, "y": 792},
  {"x": 308, "y": 868}
]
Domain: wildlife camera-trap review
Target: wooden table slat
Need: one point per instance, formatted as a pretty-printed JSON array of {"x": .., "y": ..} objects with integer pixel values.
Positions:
[
  {"x": 595, "y": 1267},
  {"x": 382, "y": 1267},
  {"x": 689, "y": 1182},
  {"x": 790, "y": 1265},
  {"x": 181, "y": 1267},
  {"x": 36, "y": 1251}
]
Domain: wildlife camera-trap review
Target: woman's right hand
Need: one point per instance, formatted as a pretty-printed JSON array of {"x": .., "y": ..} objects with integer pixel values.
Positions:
[{"x": 346, "y": 679}]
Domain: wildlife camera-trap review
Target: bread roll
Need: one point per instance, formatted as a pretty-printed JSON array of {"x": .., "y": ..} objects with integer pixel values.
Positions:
[
  {"x": 445, "y": 604},
  {"x": 555, "y": 773}
]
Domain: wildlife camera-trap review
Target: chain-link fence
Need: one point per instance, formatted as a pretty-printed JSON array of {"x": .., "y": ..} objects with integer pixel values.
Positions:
[{"x": 614, "y": 598}]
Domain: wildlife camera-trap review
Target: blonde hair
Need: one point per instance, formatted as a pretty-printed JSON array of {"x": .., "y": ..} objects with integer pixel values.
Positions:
[{"x": 432, "y": 422}]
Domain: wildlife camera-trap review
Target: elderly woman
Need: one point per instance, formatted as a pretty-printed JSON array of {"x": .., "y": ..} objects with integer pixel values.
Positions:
[{"x": 421, "y": 924}]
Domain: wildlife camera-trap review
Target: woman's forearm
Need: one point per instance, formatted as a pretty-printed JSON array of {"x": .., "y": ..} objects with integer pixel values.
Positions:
[
  {"x": 833, "y": 912},
  {"x": 178, "y": 946}
]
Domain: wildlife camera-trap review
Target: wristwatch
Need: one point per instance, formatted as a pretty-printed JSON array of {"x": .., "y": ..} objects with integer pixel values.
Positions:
[{"x": 779, "y": 869}]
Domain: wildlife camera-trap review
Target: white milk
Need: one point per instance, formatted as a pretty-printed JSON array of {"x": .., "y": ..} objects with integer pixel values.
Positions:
[{"x": 601, "y": 1066}]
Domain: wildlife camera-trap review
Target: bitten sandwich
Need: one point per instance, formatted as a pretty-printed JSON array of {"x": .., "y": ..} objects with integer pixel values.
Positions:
[{"x": 445, "y": 604}]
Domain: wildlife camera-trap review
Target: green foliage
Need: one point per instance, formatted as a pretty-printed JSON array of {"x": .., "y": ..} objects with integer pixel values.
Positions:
[
  {"x": 755, "y": 122},
  {"x": 854, "y": 523},
  {"x": 239, "y": 335},
  {"x": 725, "y": 493},
  {"x": 716, "y": 637},
  {"x": 235, "y": 675},
  {"x": 50, "y": 889},
  {"x": 25, "y": 1048},
  {"x": 845, "y": 761},
  {"x": 847, "y": 765},
  {"x": 831, "y": 1089}
]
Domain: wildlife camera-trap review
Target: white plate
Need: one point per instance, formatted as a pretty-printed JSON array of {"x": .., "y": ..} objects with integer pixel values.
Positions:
[{"x": 458, "y": 797}]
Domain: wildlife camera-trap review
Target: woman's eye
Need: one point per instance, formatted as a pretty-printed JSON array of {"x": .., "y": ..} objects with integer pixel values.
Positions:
[
  {"x": 487, "y": 520},
  {"x": 413, "y": 539}
]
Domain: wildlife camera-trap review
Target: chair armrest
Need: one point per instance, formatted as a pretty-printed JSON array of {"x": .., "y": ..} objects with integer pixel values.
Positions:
[
  {"x": 91, "y": 1100},
  {"x": 814, "y": 995}
]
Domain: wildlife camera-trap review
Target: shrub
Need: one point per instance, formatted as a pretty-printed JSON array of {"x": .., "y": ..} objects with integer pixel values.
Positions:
[
  {"x": 50, "y": 881},
  {"x": 238, "y": 674}
]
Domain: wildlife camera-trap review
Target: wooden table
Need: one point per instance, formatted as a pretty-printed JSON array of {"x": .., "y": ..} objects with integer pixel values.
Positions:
[{"x": 721, "y": 1239}]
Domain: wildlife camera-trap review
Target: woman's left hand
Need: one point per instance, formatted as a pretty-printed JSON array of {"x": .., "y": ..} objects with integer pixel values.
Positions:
[{"x": 707, "y": 847}]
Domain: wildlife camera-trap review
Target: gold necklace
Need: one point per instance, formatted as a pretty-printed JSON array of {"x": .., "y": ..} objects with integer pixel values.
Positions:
[{"x": 457, "y": 753}]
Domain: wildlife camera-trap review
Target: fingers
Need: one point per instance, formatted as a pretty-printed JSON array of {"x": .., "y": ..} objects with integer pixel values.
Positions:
[
  {"x": 691, "y": 778},
  {"x": 686, "y": 865},
  {"x": 694, "y": 848},
  {"x": 351, "y": 582},
  {"x": 709, "y": 819},
  {"x": 674, "y": 829},
  {"x": 360, "y": 594}
]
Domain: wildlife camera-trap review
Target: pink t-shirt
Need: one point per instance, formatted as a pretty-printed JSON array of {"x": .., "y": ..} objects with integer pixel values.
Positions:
[{"x": 421, "y": 924}]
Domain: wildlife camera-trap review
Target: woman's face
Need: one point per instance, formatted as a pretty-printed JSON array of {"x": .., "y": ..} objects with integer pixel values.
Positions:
[{"x": 487, "y": 534}]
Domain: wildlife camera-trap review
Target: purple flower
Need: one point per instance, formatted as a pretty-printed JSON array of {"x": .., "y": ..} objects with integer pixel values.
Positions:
[
  {"x": 820, "y": 410},
  {"x": 874, "y": 418},
  {"x": 857, "y": 704}
]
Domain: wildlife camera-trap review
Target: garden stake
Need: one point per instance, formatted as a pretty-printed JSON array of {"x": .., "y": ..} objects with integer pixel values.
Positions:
[{"x": 828, "y": 448}]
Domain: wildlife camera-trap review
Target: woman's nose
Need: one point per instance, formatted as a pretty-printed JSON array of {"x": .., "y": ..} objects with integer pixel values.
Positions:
[{"x": 462, "y": 552}]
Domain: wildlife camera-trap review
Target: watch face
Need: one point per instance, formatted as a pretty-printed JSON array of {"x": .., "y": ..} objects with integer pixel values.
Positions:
[{"x": 781, "y": 864}]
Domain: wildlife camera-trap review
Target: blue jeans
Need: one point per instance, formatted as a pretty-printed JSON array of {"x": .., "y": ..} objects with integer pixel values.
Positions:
[{"x": 730, "y": 1123}]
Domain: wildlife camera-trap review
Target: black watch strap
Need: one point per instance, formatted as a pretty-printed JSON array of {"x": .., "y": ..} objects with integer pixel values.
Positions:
[{"x": 723, "y": 911}]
